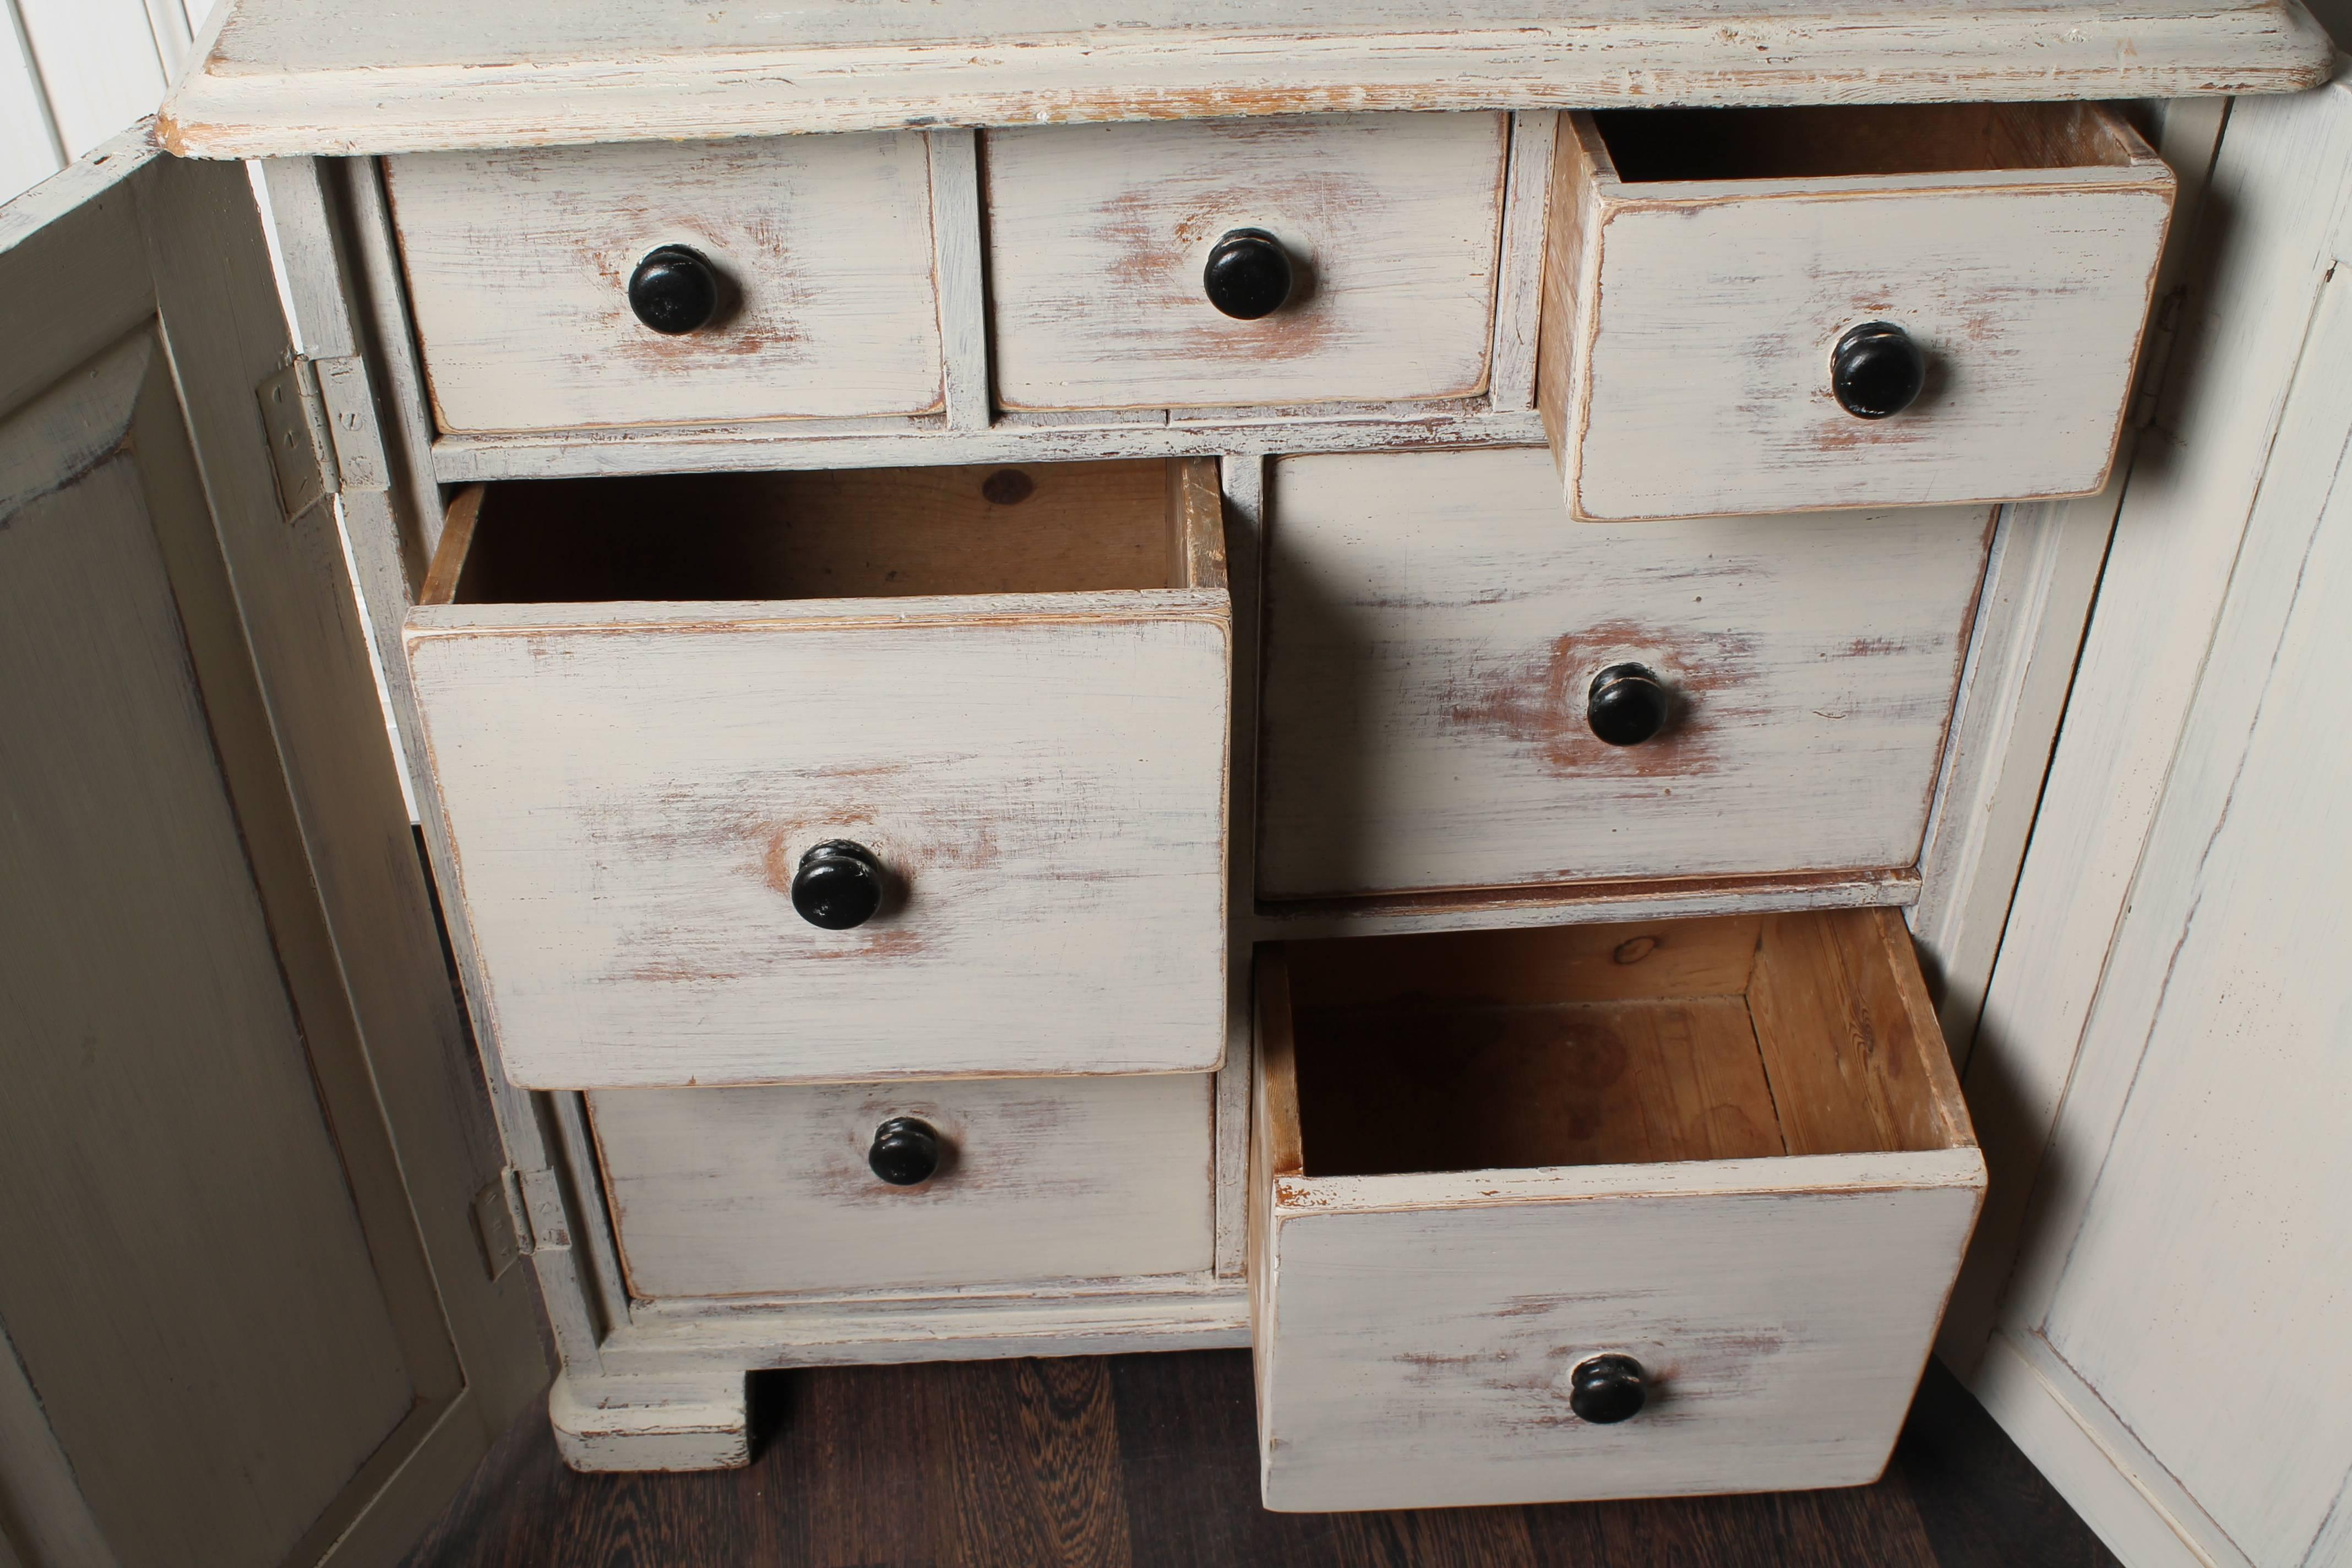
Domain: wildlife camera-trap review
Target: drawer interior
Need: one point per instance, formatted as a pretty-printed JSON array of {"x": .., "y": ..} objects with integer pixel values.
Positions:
[
  {"x": 1051, "y": 528},
  {"x": 1649, "y": 145},
  {"x": 1722, "y": 1038}
]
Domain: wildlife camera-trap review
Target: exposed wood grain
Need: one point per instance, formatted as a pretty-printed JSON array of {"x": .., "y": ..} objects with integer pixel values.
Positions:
[
  {"x": 454, "y": 551},
  {"x": 1985, "y": 232},
  {"x": 442, "y": 73},
  {"x": 1442, "y": 1148},
  {"x": 1582, "y": 962},
  {"x": 1519, "y": 281},
  {"x": 1431, "y": 630},
  {"x": 766, "y": 1191},
  {"x": 1196, "y": 526},
  {"x": 1097, "y": 235},
  {"x": 1241, "y": 484},
  {"x": 518, "y": 262},
  {"x": 1042, "y": 774}
]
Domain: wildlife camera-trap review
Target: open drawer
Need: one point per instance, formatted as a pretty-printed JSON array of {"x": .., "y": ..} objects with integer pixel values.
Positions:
[
  {"x": 790, "y": 777},
  {"x": 1792, "y": 310},
  {"x": 1598, "y": 1211}
]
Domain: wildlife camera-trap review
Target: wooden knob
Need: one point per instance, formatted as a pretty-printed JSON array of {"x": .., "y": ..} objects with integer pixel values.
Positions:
[
  {"x": 906, "y": 1152},
  {"x": 1605, "y": 1389},
  {"x": 1876, "y": 370},
  {"x": 674, "y": 291},
  {"x": 837, "y": 885},
  {"x": 1627, "y": 704},
  {"x": 1248, "y": 275}
]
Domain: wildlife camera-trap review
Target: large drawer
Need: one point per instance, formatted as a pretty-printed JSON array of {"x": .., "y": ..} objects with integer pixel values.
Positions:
[
  {"x": 735, "y": 1192},
  {"x": 1435, "y": 632},
  {"x": 1100, "y": 239},
  {"x": 801, "y": 777},
  {"x": 818, "y": 251},
  {"x": 1756, "y": 310},
  {"x": 1598, "y": 1211}
]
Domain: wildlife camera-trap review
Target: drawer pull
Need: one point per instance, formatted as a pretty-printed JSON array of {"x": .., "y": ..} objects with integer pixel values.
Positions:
[
  {"x": 1627, "y": 704},
  {"x": 1876, "y": 370},
  {"x": 674, "y": 291},
  {"x": 1248, "y": 275},
  {"x": 837, "y": 885},
  {"x": 906, "y": 1153},
  {"x": 1606, "y": 1388}
]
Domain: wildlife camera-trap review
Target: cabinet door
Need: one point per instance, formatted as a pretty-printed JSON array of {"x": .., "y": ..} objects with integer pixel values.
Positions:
[
  {"x": 2170, "y": 1022},
  {"x": 243, "y": 1319}
]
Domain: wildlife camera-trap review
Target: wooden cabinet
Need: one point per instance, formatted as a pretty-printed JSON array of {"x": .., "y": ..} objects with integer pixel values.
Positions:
[{"x": 983, "y": 633}]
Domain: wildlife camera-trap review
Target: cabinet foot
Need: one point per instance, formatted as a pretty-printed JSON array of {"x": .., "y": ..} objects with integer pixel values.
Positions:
[{"x": 651, "y": 1423}]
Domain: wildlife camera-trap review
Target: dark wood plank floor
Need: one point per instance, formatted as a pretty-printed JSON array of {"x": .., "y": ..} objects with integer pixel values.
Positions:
[{"x": 1150, "y": 1461}]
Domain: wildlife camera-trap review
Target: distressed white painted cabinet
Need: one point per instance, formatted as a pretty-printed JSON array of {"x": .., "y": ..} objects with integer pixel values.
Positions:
[{"x": 1140, "y": 677}]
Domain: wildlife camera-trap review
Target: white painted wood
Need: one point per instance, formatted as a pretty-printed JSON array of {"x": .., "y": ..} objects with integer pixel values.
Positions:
[
  {"x": 651, "y": 1423},
  {"x": 518, "y": 265},
  {"x": 99, "y": 69},
  {"x": 2101, "y": 1485},
  {"x": 1518, "y": 290},
  {"x": 2255, "y": 285},
  {"x": 1012, "y": 440},
  {"x": 30, "y": 151},
  {"x": 1432, "y": 625},
  {"x": 960, "y": 270},
  {"x": 2036, "y": 602},
  {"x": 663, "y": 1338},
  {"x": 1046, "y": 774},
  {"x": 1242, "y": 482},
  {"x": 1635, "y": 898},
  {"x": 1689, "y": 385},
  {"x": 766, "y": 1192},
  {"x": 1097, "y": 235},
  {"x": 2214, "y": 1081},
  {"x": 308, "y": 76}
]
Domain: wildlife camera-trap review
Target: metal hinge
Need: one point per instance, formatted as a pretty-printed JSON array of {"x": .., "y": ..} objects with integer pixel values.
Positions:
[
  {"x": 320, "y": 419},
  {"x": 519, "y": 1213}
]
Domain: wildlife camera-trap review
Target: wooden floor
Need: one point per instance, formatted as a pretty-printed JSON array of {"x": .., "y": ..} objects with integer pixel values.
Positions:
[{"x": 1151, "y": 1460}]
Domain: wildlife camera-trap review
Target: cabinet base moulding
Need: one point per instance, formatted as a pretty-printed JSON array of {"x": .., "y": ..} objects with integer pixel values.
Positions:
[{"x": 651, "y": 1423}]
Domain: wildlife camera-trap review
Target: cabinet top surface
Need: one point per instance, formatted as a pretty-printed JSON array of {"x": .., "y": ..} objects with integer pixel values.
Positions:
[{"x": 328, "y": 77}]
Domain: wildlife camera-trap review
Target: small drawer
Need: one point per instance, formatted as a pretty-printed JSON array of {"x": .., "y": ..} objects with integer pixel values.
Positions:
[
  {"x": 787, "y": 777},
  {"x": 1785, "y": 310},
  {"x": 1601, "y": 1211},
  {"x": 867, "y": 1187},
  {"x": 1367, "y": 241},
  {"x": 1435, "y": 632},
  {"x": 808, "y": 289}
]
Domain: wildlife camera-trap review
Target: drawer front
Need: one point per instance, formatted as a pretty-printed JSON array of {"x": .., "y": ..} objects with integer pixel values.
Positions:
[
  {"x": 1758, "y": 1201},
  {"x": 519, "y": 264},
  {"x": 770, "y": 1190},
  {"x": 630, "y": 805},
  {"x": 1434, "y": 630},
  {"x": 1691, "y": 328},
  {"x": 1099, "y": 236}
]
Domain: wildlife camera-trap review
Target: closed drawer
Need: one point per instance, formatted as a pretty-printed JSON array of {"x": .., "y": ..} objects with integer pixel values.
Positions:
[
  {"x": 1738, "y": 302},
  {"x": 1099, "y": 239},
  {"x": 796, "y": 777},
  {"x": 1728, "y": 1153},
  {"x": 742, "y": 1192},
  {"x": 1435, "y": 632},
  {"x": 817, "y": 250}
]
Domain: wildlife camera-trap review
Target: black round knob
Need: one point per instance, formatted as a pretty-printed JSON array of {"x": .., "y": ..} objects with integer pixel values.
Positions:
[
  {"x": 1627, "y": 704},
  {"x": 906, "y": 1152},
  {"x": 837, "y": 885},
  {"x": 1876, "y": 370},
  {"x": 674, "y": 291},
  {"x": 1605, "y": 1389},
  {"x": 1248, "y": 275}
]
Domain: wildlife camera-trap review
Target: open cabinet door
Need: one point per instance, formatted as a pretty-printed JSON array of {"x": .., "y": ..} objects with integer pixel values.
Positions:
[{"x": 247, "y": 1316}]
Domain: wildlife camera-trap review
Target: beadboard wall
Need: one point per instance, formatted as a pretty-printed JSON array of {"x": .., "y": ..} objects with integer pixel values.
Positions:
[{"x": 74, "y": 73}]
